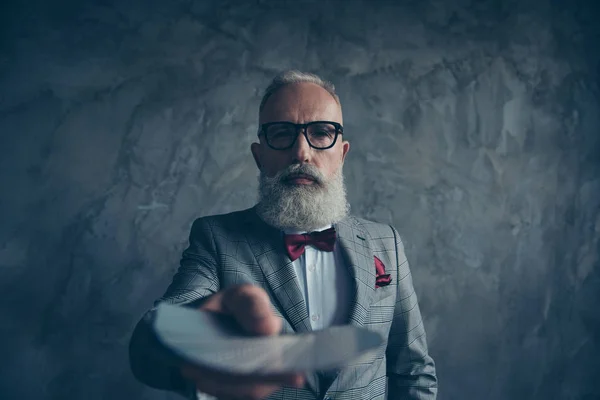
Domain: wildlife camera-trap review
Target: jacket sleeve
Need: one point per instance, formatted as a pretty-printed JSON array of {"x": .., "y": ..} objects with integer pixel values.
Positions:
[
  {"x": 410, "y": 369},
  {"x": 196, "y": 278}
]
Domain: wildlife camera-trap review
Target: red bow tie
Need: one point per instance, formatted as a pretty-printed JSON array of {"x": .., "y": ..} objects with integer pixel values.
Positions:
[{"x": 324, "y": 240}]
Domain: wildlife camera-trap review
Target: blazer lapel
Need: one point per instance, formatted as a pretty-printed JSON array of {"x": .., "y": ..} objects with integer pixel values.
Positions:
[
  {"x": 267, "y": 245},
  {"x": 358, "y": 256},
  {"x": 359, "y": 259}
]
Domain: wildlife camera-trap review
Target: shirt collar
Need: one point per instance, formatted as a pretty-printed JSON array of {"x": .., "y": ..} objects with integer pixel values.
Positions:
[{"x": 300, "y": 232}]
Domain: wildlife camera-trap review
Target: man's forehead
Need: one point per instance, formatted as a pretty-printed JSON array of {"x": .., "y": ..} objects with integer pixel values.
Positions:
[{"x": 301, "y": 102}]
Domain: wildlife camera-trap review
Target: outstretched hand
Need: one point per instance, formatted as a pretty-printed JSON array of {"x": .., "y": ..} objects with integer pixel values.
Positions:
[{"x": 250, "y": 308}]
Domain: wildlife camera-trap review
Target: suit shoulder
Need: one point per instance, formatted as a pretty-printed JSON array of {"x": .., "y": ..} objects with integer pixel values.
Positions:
[
  {"x": 231, "y": 219},
  {"x": 376, "y": 229}
]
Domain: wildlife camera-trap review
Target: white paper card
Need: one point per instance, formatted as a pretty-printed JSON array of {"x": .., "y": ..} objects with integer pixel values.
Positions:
[{"x": 208, "y": 340}]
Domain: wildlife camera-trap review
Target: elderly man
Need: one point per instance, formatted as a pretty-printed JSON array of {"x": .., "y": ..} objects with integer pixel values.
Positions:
[{"x": 298, "y": 262}]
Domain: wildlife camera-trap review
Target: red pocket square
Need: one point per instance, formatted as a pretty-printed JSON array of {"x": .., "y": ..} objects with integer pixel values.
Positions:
[{"x": 381, "y": 278}]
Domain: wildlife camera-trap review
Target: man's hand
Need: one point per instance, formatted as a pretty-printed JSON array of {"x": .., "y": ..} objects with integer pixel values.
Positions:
[{"x": 249, "y": 306}]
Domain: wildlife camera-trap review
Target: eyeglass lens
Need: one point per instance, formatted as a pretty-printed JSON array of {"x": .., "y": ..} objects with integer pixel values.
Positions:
[{"x": 282, "y": 135}]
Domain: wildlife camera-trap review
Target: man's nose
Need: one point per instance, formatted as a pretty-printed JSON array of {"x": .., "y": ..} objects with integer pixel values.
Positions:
[{"x": 301, "y": 150}]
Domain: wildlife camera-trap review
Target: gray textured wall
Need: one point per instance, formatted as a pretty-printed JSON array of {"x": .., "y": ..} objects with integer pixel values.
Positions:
[{"x": 475, "y": 130}]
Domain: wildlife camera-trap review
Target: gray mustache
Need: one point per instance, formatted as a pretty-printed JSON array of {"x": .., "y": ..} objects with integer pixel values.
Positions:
[{"x": 300, "y": 169}]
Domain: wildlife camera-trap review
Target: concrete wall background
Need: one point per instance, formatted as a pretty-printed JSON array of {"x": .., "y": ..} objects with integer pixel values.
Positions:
[{"x": 475, "y": 130}]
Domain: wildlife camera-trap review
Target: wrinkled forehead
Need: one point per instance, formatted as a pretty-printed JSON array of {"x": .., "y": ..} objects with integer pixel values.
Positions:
[{"x": 301, "y": 103}]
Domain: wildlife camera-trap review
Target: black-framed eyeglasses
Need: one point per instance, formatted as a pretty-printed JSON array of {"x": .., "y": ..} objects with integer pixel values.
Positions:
[{"x": 282, "y": 135}]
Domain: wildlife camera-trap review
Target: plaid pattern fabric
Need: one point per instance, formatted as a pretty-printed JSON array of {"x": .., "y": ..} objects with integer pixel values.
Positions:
[{"x": 238, "y": 248}]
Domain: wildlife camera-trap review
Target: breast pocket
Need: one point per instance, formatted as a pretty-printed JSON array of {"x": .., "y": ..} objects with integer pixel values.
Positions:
[
  {"x": 381, "y": 312},
  {"x": 385, "y": 295}
]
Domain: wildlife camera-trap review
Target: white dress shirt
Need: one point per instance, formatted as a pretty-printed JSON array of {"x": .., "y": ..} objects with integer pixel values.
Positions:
[{"x": 325, "y": 283}]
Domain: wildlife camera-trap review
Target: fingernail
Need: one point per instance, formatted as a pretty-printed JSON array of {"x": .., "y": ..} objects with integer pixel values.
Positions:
[{"x": 299, "y": 381}]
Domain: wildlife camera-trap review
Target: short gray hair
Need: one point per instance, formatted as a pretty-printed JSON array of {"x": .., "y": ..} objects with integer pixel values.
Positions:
[{"x": 291, "y": 77}]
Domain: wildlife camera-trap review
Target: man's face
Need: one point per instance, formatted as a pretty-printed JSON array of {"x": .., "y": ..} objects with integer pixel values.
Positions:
[{"x": 300, "y": 103}]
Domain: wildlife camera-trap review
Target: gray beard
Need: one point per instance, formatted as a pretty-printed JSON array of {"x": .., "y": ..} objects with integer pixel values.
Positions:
[{"x": 302, "y": 207}]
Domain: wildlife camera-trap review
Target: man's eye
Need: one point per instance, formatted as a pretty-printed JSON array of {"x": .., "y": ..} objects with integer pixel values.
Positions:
[{"x": 322, "y": 133}]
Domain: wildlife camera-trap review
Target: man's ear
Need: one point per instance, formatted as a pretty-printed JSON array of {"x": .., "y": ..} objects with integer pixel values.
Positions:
[
  {"x": 255, "y": 149},
  {"x": 345, "y": 149}
]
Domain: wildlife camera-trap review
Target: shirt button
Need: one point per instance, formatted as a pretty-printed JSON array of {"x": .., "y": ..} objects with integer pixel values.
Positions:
[
  {"x": 311, "y": 267},
  {"x": 315, "y": 317}
]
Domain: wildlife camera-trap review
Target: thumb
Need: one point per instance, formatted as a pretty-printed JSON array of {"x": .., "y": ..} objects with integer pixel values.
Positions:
[{"x": 249, "y": 306}]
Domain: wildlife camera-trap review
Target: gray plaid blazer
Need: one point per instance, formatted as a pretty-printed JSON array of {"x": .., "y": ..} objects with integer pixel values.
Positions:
[{"x": 240, "y": 248}]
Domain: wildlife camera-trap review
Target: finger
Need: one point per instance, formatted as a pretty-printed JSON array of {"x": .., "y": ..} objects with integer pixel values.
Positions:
[
  {"x": 251, "y": 308},
  {"x": 214, "y": 302}
]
